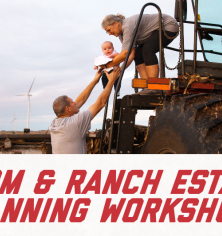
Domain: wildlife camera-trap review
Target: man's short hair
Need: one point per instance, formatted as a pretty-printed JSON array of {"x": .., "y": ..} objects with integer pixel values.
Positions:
[{"x": 59, "y": 105}]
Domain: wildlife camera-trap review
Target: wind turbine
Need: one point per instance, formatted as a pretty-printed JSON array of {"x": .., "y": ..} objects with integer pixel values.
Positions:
[
  {"x": 14, "y": 120},
  {"x": 28, "y": 95}
]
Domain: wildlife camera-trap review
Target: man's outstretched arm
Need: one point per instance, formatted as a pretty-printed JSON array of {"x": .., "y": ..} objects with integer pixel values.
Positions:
[
  {"x": 82, "y": 98},
  {"x": 103, "y": 97}
]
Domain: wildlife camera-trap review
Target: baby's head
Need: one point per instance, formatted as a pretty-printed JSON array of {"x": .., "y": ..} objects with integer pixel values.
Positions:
[{"x": 107, "y": 48}]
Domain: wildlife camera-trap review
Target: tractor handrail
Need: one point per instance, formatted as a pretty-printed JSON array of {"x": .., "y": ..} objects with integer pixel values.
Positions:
[
  {"x": 103, "y": 127},
  {"x": 211, "y": 30},
  {"x": 191, "y": 50},
  {"x": 126, "y": 59},
  {"x": 203, "y": 23}
]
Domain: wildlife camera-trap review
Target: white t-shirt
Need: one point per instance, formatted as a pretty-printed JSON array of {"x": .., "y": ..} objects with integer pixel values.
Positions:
[{"x": 68, "y": 134}]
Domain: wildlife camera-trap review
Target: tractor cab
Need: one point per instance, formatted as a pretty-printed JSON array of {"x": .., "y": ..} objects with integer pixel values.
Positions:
[
  {"x": 209, "y": 32},
  {"x": 209, "y": 21}
]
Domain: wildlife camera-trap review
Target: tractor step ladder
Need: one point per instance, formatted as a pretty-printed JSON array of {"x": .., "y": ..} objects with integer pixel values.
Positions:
[
  {"x": 123, "y": 129},
  {"x": 124, "y": 120}
]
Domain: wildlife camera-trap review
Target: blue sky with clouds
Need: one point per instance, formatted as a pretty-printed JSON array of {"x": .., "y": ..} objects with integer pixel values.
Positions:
[{"x": 56, "y": 42}]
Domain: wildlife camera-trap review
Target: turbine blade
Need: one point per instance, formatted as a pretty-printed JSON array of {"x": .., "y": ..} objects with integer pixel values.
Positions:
[
  {"x": 13, "y": 120},
  {"x": 31, "y": 85},
  {"x": 21, "y": 95}
]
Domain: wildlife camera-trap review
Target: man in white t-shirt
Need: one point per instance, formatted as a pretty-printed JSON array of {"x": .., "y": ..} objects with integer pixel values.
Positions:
[{"x": 68, "y": 130}]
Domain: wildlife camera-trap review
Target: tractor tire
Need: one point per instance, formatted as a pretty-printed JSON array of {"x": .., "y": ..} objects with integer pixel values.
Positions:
[{"x": 186, "y": 124}]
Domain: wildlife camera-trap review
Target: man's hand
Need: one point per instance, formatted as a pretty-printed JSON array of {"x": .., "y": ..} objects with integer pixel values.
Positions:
[
  {"x": 82, "y": 98},
  {"x": 114, "y": 75},
  {"x": 103, "y": 97},
  {"x": 98, "y": 75}
]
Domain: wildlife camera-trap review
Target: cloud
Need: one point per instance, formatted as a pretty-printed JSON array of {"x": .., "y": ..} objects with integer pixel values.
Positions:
[{"x": 56, "y": 42}]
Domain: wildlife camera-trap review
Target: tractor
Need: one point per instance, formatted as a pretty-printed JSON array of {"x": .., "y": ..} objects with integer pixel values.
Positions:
[{"x": 188, "y": 109}]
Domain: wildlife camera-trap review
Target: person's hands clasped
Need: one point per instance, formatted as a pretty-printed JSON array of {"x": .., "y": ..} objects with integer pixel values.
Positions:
[{"x": 114, "y": 75}]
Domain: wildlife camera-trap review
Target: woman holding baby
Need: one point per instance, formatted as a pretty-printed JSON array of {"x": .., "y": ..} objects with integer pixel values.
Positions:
[{"x": 146, "y": 43}]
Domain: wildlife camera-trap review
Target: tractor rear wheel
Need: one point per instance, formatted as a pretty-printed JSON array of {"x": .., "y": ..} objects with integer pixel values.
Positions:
[{"x": 186, "y": 124}]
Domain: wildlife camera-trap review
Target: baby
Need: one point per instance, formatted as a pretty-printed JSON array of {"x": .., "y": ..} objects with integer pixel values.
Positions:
[{"x": 108, "y": 53}]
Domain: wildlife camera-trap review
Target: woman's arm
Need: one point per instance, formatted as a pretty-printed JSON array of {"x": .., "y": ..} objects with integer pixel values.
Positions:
[
  {"x": 130, "y": 59},
  {"x": 120, "y": 58},
  {"x": 116, "y": 60}
]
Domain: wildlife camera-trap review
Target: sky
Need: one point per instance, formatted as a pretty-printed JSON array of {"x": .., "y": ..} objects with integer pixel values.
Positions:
[{"x": 56, "y": 42}]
